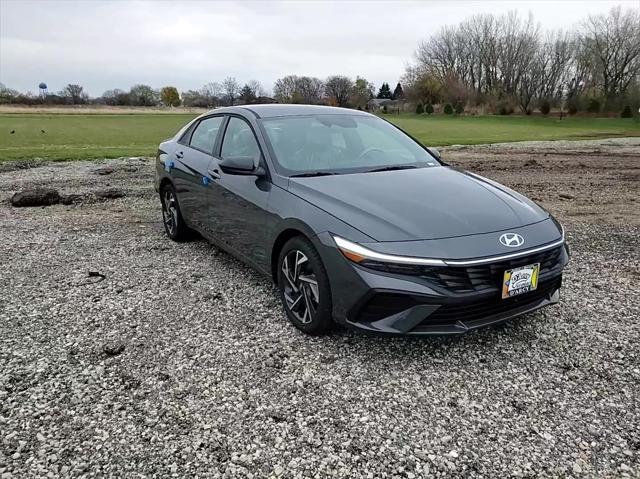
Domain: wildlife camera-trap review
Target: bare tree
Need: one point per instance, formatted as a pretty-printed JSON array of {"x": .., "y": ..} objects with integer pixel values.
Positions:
[
  {"x": 115, "y": 97},
  {"x": 74, "y": 93},
  {"x": 211, "y": 94},
  {"x": 7, "y": 95},
  {"x": 298, "y": 89},
  {"x": 506, "y": 57},
  {"x": 231, "y": 89},
  {"x": 256, "y": 88},
  {"x": 143, "y": 95},
  {"x": 195, "y": 98},
  {"x": 284, "y": 88},
  {"x": 614, "y": 42},
  {"x": 310, "y": 89},
  {"x": 338, "y": 88},
  {"x": 548, "y": 72}
]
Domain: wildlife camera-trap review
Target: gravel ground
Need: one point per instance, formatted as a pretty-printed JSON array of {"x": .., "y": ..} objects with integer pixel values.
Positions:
[{"x": 123, "y": 354}]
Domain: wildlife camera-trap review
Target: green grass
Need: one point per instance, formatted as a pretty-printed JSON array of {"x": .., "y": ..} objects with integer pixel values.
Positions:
[
  {"x": 472, "y": 130},
  {"x": 80, "y": 136},
  {"x": 92, "y": 135}
]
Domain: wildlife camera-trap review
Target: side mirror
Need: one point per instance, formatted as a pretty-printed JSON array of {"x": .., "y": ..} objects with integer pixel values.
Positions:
[
  {"x": 435, "y": 152},
  {"x": 240, "y": 165}
]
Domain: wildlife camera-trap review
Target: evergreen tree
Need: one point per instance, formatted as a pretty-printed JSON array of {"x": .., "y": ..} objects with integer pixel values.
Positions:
[
  {"x": 398, "y": 93},
  {"x": 385, "y": 91},
  {"x": 247, "y": 96}
]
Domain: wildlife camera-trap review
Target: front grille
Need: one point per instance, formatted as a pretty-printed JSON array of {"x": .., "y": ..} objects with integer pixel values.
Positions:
[
  {"x": 483, "y": 277},
  {"x": 478, "y": 309}
]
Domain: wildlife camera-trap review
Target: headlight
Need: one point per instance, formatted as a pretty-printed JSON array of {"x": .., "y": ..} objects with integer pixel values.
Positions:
[{"x": 364, "y": 256}]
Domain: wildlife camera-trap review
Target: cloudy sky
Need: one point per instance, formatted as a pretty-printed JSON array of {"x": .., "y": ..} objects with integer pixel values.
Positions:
[{"x": 116, "y": 44}]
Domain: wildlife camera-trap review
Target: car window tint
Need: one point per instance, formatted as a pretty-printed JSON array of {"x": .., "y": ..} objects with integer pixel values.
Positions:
[
  {"x": 204, "y": 136},
  {"x": 239, "y": 140},
  {"x": 341, "y": 143}
]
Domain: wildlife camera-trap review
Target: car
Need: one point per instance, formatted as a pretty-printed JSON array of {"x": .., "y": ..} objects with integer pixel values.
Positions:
[{"x": 356, "y": 222}]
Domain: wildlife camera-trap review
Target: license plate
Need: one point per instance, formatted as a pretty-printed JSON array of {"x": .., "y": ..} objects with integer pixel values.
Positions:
[{"x": 520, "y": 280}]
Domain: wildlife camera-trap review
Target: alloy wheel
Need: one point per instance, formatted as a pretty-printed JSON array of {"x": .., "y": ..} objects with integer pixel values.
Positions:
[
  {"x": 300, "y": 287},
  {"x": 170, "y": 211}
]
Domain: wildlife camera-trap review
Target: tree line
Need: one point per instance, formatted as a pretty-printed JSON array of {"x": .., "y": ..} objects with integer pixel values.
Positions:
[
  {"x": 227, "y": 92},
  {"x": 507, "y": 62},
  {"x": 338, "y": 90}
]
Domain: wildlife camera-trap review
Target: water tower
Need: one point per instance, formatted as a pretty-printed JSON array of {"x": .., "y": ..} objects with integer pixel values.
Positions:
[{"x": 43, "y": 90}]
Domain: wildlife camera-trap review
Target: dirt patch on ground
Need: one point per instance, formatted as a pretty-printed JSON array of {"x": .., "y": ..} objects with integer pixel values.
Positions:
[{"x": 586, "y": 181}]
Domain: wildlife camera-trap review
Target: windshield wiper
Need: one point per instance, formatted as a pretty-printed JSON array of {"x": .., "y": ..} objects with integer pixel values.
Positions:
[
  {"x": 312, "y": 173},
  {"x": 391, "y": 168}
]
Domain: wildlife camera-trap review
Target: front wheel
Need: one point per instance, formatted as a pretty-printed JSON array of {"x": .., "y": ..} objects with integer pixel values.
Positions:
[{"x": 304, "y": 287}]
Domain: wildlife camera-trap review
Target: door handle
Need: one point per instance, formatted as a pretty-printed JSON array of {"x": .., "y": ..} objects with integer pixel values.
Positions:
[
  {"x": 179, "y": 154},
  {"x": 214, "y": 173}
]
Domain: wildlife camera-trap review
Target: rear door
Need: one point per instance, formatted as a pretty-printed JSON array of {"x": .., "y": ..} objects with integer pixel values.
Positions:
[{"x": 193, "y": 182}]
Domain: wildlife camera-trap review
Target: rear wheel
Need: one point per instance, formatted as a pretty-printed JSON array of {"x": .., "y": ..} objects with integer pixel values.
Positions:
[
  {"x": 304, "y": 287},
  {"x": 174, "y": 225}
]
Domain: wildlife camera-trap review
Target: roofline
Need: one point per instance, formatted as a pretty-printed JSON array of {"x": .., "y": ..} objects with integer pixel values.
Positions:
[{"x": 249, "y": 108}]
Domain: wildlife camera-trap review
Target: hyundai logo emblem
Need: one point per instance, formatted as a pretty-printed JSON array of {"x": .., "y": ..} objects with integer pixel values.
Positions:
[{"x": 512, "y": 240}]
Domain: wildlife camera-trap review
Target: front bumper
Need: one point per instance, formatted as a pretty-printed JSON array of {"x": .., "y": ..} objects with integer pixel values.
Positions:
[
  {"x": 398, "y": 304},
  {"x": 424, "y": 315}
]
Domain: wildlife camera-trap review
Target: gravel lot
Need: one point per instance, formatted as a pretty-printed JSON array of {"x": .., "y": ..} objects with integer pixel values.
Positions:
[{"x": 124, "y": 354}]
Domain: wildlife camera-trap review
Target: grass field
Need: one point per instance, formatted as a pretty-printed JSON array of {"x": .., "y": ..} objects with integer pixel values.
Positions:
[
  {"x": 88, "y": 136},
  {"x": 472, "y": 130}
]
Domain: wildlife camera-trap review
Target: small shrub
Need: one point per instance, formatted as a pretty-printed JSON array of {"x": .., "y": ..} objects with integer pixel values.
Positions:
[
  {"x": 503, "y": 107},
  {"x": 572, "y": 108},
  {"x": 448, "y": 109},
  {"x": 626, "y": 112},
  {"x": 593, "y": 106},
  {"x": 545, "y": 107},
  {"x": 384, "y": 109},
  {"x": 429, "y": 109},
  {"x": 459, "y": 108},
  {"x": 419, "y": 109},
  {"x": 506, "y": 110}
]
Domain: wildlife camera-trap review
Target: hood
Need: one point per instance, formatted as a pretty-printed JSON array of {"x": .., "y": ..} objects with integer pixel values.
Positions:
[{"x": 418, "y": 204}]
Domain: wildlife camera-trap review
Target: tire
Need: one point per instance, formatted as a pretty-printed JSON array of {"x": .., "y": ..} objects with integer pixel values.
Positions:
[
  {"x": 304, "y": 290},
  {"x": 174, "y": 224}
]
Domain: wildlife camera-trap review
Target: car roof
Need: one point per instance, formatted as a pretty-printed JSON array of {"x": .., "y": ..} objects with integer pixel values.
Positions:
[{"x": 280, "y": 110}]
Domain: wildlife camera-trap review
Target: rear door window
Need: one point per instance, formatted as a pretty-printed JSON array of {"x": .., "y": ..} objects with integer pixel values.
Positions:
[{"x": 205, "y": 134}]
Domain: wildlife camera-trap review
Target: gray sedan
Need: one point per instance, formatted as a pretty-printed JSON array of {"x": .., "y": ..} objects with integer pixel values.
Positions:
[{"x": 358, "y": 223}]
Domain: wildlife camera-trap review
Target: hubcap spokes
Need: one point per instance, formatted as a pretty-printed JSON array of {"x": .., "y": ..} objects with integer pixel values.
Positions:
[
  {"x": 169, "y": 212},
  {"x": 301, "y": 287}
]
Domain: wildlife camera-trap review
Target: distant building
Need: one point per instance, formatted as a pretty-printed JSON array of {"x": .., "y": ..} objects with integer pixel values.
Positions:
[{"x": 376, "y": 104}]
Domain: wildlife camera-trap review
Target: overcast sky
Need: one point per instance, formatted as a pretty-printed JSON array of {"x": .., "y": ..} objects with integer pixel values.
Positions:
[{"x": 103, "y": 45}]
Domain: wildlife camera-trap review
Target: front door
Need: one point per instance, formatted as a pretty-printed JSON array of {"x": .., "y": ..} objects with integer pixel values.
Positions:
[{"x": 238, "y": 208}]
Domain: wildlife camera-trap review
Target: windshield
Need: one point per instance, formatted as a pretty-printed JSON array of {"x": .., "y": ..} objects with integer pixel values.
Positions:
[{"x": 341, "y": 144}]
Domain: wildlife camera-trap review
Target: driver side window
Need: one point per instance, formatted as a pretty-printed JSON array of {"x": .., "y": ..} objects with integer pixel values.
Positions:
[{"x": 239, "y": 140}]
